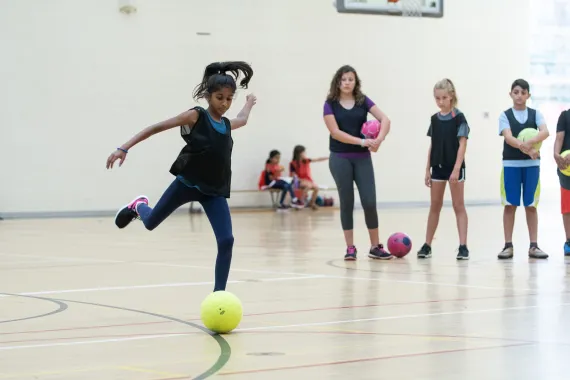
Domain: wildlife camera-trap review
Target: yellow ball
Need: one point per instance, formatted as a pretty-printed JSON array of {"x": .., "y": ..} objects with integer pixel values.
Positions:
[
  {"x": 566, "y": 171},
  {"x": 221, "y": 312},
  {"x": 527, "y": 134}
]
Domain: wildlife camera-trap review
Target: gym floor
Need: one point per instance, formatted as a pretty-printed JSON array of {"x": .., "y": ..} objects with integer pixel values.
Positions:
[{"x": 84, "y": 300}]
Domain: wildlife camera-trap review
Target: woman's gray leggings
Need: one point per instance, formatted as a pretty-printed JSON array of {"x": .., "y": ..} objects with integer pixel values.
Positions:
[{"x": 345, "y": 172}]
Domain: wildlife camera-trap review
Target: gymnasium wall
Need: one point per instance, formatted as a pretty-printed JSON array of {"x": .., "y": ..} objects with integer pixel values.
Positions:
[{"x": 78, "y": 79}]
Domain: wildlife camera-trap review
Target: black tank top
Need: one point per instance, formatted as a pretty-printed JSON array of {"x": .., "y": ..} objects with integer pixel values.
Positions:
[
  {"x": 205, "y": 161},
  {"x": 444, "y": 140},
  {"x": 509, "y": 152}
]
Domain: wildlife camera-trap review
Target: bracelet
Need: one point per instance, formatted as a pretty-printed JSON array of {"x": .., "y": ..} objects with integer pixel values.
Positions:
[
  {"x": 122, "y": 150},
  {"x": 362, "y": 142}
]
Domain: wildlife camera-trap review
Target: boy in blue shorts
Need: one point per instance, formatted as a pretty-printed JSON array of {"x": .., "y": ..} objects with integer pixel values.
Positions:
[{"x": 521, "y": 168}]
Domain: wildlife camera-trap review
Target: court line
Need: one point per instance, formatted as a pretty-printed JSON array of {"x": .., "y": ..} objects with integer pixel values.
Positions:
[
  {"x": 394, "y": 317},
  {"x": 224, "y": 346},
  {"x": 278, "y": 312},
  {"x": 152, "y": 286},
  {"x": 85, "y": 342},
  {"x": 399, "y": 317},
  {"x": 152, "y": 263},
  {"x": 369, "y": 359}
]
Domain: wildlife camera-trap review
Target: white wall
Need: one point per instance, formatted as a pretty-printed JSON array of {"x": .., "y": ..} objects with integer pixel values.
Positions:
[{"x": 78, "y": 79}]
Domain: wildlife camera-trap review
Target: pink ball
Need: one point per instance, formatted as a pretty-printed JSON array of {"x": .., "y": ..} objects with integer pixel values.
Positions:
[
  {"x": 371, "y": 129},
  {"x": 399, "y": 244}
]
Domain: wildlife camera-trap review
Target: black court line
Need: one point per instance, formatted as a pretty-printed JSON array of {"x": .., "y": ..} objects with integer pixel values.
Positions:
[
  {"x": 61, "y": 308},
  {"x": 225, "y": 349}
]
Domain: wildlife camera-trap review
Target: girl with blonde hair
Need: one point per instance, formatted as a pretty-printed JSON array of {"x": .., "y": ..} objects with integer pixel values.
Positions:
[{"x": 448, "y": 132}]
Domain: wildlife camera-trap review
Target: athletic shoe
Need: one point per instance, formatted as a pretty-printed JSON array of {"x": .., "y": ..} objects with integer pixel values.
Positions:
[
  {"x": 379, "y": 253},
  {"x": 567, "y": 248},
  {"x": 537, "y": 253},
  {"x": 506, "y": 253},
  {"x": 350, "y": 253},
  {"x": 462, "y": 253},
  {"x": 129, "y": 212},
  {"x": 424, "y": 252},
  {"x": 296, "y": 203}
]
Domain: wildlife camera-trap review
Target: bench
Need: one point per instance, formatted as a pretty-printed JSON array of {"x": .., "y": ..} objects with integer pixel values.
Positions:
[{"x": 274, "y": 195}]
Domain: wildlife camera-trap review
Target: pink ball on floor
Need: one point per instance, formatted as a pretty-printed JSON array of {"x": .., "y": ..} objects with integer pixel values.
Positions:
[
  {"x": 371, "y": 129},
  {"x": 399, "y": 244}
]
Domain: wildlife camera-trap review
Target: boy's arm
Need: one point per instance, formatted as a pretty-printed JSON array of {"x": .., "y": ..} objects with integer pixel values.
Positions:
[
  {"x": 505, "y": 131},
  {"x": 543, "y": 132}
]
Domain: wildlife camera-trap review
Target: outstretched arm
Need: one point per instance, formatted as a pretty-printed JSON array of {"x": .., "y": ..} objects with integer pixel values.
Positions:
[
  {"x": 241, "y": 119},
  {"x": 185, "y": 118}
]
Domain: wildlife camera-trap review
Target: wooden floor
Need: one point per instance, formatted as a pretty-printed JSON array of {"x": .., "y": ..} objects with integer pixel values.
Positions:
[{"x": 84, "y": 300}]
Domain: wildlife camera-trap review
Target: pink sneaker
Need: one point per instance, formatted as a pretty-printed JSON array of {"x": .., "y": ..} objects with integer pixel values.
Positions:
[
  {"x": 350, "y": 253},
  {"x": 129, "y": 212}
]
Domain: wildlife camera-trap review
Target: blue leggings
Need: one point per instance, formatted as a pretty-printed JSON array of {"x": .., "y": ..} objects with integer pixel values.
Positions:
[{"x": 218, "y": 213}]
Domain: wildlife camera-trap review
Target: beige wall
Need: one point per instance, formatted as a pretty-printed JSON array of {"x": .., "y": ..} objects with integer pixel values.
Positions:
[{"x": 79, "y": 78}]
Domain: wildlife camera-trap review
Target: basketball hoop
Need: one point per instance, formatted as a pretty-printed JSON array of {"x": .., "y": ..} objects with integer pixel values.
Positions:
[{"x": 411, "y": 8}]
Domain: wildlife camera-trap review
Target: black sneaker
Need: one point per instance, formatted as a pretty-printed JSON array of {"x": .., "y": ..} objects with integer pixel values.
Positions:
[
  {"x": 424, "y": 252},
  {"x": 462, "y": 253},
  {"x": 128, "y": 213},
  {"x": 350, "y": 253},
  {"x": 379, "y": 253}
]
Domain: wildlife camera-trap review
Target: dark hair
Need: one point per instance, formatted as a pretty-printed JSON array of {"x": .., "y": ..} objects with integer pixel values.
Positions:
[
  {"x": 297, "y": 152},
  {"x": 272, "y": 154},
  {"x": 215, "y": 77},
  {"x": 334, "y": 91},
  {"x": 522, "y": 84}
]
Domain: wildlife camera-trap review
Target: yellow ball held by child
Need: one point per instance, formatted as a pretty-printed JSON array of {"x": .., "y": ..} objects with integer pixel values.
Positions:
[
  {"x": 566, "y": 171},
  {"x": 527, "y": 134},
  {"x": 221, "y": 312}
]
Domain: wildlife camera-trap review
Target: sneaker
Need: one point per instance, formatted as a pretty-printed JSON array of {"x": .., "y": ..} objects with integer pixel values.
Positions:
[
  {"x": 296, "y": 203},
  {"x": 462, "y": 253},
  {"x": 282, "y": 208},
  {"x": 506, "y": 253},
  {"x": 567, "y": 248},
  {"x": 380, "y": 253},
  {"x": 129, "y": 213},
  {"x": 424, "y": 252},
  {"x": 350, "y": 253},
  {"x": 537, "y": 253}
]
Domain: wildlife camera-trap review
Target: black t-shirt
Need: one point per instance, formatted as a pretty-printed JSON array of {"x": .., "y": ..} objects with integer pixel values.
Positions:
[
  {"x": 349, "y": 121},
  {"x": 564, "y": 126}
]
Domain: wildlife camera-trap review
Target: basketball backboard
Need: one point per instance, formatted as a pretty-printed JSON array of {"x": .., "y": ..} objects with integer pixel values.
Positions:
[{"x": 416, "y": 8}]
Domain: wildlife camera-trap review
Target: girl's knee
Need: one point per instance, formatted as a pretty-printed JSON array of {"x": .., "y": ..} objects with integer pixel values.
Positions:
[
  {"x": 150, "y": 225},
  {"x": 458, "y": 207},
  {"x": 226, "y": 243},
  {"x": 436, "y": 206}
]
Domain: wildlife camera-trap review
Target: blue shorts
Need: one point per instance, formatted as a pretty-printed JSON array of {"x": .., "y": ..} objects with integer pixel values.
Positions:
[{"x": 516, "y": 181}]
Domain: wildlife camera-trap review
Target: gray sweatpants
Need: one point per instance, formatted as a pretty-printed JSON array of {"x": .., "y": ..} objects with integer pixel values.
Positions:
[{"x": 347, "y": 171}]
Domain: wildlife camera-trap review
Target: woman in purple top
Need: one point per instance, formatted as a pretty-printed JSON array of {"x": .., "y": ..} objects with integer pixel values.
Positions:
[{"x": 346, "y": 109}]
